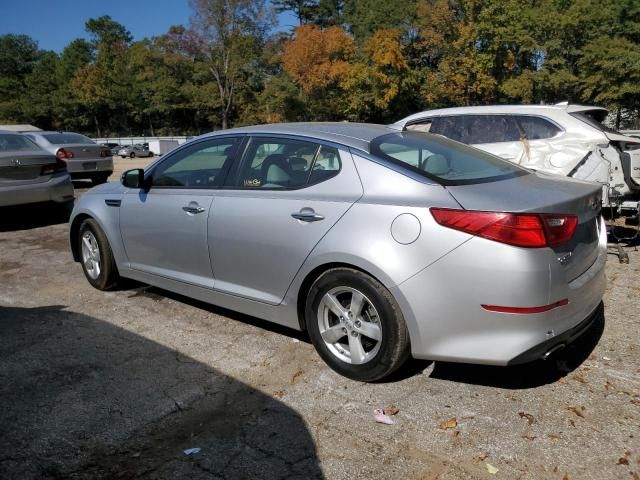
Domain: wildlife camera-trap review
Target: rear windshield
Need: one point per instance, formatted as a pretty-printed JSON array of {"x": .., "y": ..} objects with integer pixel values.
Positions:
[
  {"x": 16, "y": 143},
  {"x": 590, "y": 117},
  {"x": 442, "y": 160},
  {"x": 66, "y": 138}
]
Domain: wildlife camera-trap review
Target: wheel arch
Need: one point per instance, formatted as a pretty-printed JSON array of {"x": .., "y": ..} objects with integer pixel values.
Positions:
[{"x": 74, "y": 230}]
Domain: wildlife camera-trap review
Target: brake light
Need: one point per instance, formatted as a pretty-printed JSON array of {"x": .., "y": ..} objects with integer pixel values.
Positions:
[
  {"x": 528, "y": 230},
  {"x": 104, "y": 153},
  {"x": 62, "y": 154}
]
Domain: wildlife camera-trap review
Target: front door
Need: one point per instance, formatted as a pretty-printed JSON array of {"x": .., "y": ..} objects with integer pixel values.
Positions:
[
  {"x": 164, "y": 229},
  {"x": 286, "y": 195}
]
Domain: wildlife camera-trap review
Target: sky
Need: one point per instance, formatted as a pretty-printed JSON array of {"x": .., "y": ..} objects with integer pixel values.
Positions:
[{"x": 54, "y": 23}]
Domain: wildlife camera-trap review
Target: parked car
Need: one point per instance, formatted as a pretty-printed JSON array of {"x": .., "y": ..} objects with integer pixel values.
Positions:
[
  {"x": 562, "y": 139},
  {"x": 380, "y": 243},
  {"x": 29, "y": 174},
  {"x": 133, "y": 151},
  {"x": 85, "y": 159},
  {"x": 114, "y": 148}
]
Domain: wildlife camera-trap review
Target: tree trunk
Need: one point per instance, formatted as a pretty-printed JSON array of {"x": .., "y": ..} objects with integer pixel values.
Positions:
[
  {"x": 225, "y": 119},
  {"x": 95, "y": 119},
  {"x": 151, "y": 127},
  {"x": 618, "y": 118}
]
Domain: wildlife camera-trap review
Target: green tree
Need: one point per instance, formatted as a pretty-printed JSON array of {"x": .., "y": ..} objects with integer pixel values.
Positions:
[{"x": 18, "y": 56}]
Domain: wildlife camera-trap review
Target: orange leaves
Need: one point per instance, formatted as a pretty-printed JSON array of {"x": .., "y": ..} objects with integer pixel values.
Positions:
[
  {"x": 316, "y": 58},
  {"x": 385, "y": 49}
]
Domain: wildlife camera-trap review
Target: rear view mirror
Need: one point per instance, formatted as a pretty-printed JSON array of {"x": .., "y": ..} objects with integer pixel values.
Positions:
[{"x": 133, "y": 178}]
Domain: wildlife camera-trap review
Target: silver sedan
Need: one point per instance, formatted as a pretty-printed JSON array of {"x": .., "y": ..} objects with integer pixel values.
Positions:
[
  {"x": 29, "y": 174},
  {"x": 380, "y": 243},
  {"x": 133, "y": 151}
]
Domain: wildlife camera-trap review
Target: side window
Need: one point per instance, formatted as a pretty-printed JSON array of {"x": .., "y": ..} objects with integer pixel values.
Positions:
[
  {"x": 423, "y": 125},
  {"x": 202, "y": 165},
  {"x": 536, "y": 128},
  {"x": 326, "y": 165},
  {"x": 477, "y": 129},
  {"x": 285, "y": 163}
]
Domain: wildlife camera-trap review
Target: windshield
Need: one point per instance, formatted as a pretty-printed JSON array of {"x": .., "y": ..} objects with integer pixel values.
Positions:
[
  {"x": 443, "y": 160},
  {"x": 16, "y": 143},
  {"x": 66, "y": 138}
]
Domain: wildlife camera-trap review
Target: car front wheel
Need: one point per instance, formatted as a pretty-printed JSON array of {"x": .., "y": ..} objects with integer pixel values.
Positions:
[
  {"x": 96, "y": 257},
  {"x": 356, "y": 325}
]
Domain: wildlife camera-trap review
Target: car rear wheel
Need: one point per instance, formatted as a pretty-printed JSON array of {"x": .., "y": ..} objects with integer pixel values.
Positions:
[
  {"x": 132, "y": 155},
  {"x": 96, "y": 257},
  {"x": 356, "y": 325}
]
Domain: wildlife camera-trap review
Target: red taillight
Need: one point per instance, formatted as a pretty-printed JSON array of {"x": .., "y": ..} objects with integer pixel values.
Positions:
[
  {"x": 105, "y": 153},
  {"x": 529, "y": 230},
  {"x": 63, "y": 154}
]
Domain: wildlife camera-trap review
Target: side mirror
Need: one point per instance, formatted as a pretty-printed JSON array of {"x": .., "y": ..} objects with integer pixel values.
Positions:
[{"x": 133, "y": 178}]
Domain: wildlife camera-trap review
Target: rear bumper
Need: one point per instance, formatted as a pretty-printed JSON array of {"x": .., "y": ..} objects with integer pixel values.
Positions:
[
  {"x": 561, "y": 340},
  {"x": 442, "y": 304},
  {"x": 58, "y": 189},
  {"x": 90, "y": 167}
]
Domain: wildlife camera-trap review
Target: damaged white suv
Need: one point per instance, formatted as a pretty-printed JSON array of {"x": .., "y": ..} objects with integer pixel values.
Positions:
[{"x": 559, "y": 139}]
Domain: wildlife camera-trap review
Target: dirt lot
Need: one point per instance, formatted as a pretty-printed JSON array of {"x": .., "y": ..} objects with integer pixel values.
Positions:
[{"x": 118, "y": 384}]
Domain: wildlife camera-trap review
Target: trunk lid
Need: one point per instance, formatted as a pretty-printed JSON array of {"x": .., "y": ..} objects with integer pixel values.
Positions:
[
  {"x": 24, "y": 167},
  {"x": 540, "y": 193},
  {"x": 83, "y": 151}
]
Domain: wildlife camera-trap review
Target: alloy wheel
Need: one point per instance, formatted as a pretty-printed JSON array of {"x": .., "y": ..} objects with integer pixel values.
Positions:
[{"x": 349, "y": 325}]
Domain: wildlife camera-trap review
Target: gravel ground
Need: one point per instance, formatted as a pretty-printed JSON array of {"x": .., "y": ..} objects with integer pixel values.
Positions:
[{"x": 118, "y": 384}]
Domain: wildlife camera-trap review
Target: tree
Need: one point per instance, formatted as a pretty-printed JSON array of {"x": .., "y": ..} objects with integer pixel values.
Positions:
[
  {"x": 18, "y": 56},
  {"x": 364, "y": 17},
  {"x": 302, "y": 9},
  {"x": 228, "y": 36}
]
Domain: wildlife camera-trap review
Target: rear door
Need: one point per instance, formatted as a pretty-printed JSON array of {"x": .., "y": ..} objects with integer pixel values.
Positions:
[
  {"x": 284, "y": 197},
  {"x": 496, "y": 134},
  {"x": 164, "y": 229}
]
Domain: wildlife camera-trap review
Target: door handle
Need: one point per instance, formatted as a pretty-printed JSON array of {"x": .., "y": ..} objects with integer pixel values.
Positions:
[
  {"x": 193, "y": 209},
  {"x": 307, "y": 216}
]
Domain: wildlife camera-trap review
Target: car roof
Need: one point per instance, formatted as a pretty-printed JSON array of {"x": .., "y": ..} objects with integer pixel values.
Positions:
[
  {"x": 489, "y": 109},
  {"x": 9, "y": 132},
  {"x": 353, "y": 135}
]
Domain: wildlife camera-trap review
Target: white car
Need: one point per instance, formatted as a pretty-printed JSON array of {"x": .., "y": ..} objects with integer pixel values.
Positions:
[{"x": 561, "y": 139}]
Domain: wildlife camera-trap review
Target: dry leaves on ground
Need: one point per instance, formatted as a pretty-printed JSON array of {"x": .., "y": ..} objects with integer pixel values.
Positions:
[
  {"x": 530, "y": 418},
  {"x": 579, "y": 411},
  {"x": 447, "y": 424}
]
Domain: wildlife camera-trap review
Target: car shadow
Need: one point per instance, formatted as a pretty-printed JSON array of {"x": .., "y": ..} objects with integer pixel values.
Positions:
[
  {"x": 27, "y": 217},
  {"x": 83, "y": 398}
]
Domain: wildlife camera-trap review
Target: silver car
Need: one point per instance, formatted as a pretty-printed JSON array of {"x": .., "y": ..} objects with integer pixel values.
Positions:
[
  {"x": 380, "y": 243},
  {"x": 85, "y": 159},
  {"x": 133, "y": 151},
  {"x": 28, "y": 174}
]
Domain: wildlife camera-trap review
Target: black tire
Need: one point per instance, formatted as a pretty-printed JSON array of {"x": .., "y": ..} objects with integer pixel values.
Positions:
[
  {"x": 394, "y": 348},
  {"x": 132, "y": 155},
  {"x": 108, "y": 277},
  {"x": 150, "y": 153}
]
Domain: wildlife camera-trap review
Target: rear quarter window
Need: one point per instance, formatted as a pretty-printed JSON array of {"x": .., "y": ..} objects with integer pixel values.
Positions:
[
  {"x": 16, "y": 143},
  {"x": 536, "y": 128},
  {"x": 439, "y": 159}
]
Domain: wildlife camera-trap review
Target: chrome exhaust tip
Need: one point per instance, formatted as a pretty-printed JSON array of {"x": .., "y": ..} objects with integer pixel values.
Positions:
[{"x": 553, "y": 350}]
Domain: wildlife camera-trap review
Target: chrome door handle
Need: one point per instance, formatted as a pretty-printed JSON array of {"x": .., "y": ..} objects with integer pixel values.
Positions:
[
  {"x": 192, "y": 209},
  {"x": 307, "y": 216}
]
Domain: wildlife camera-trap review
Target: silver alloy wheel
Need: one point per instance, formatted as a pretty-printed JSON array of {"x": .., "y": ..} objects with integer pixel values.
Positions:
[
  {"x": 349, "y": 325},
  {"x": 91, "y": 255}
]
